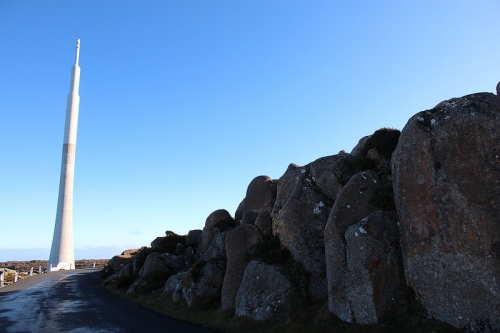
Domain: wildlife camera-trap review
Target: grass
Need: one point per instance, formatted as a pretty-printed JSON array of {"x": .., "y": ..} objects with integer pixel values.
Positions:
[{"x": 300, "y": 318}]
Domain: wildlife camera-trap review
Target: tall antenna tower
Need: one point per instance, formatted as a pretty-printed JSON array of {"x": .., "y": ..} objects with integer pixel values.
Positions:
[{"x": 62, "y": 255}]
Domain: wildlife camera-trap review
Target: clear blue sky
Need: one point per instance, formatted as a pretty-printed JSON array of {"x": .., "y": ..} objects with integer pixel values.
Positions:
[{"x": 183, "y": 103}]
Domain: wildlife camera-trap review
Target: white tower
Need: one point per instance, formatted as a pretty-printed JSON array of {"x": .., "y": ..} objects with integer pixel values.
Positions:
[{"x": 62, "y": 255}]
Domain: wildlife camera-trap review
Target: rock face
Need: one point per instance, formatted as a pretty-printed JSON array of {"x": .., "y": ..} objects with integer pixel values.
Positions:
[
  {"x": 374, "y": 270},
  {"x": 264, "y": 292},
  {"x": 299, "y": 218},
  {"x": 446, "y": 173},
  {"x": 352, "y": 205},
  {"x": 238, "y": 244}
]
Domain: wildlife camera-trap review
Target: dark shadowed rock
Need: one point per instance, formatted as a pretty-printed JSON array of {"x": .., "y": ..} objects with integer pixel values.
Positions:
[
  {"x": 264, "y": 223},
  {"x": 374, "y": 276},
  {"x": 352, "y": 205},
  {"x": 219, "y": 219},
  {"x": 446, "y": 173},
  {"x": 498, "y": 89},
  {"x": 299, "y": 218},
  {"x": 193, "y": 237},
  {"x": 238, "y": 244},
  {"x": 322, "y": 173},
  {"x": 190, "y": 257},
  {"x": 264, "y": 292},
  {"x": 172, "y": 262},
  {"x": 203, "y": 286},
  {"x": 249, "y": 217}
]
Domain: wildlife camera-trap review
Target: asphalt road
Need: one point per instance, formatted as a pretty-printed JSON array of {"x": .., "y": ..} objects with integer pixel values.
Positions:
[{"x": 74, "y": 301}]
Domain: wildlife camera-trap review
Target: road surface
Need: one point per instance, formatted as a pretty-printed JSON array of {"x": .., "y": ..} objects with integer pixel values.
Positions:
[{"x": 74, "y": 301}]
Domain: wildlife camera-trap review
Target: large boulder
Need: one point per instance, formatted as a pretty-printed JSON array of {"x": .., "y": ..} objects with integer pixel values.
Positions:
[
  {"x": 216, "y": 221},
  {"x": 174, "y": 285},
  {"x": 322, "y": 173},
  {"x": 238, "y": 244},
  {"x": 299, "y": 218},
  {"x": 264, "y": 292},
  {"x": 153, "y": 274},
  {"x": 194, "y": 237},
  {"x": 374, "y": 276},
  {"x": 353, "y": 204},
  {"x": 446, "y": 175},
  {"x": 358, "y": 149},
  {"x": 261, "y": 195},
  {"x": 202, "y": 284},
  {"x": 120, "y": 261}
]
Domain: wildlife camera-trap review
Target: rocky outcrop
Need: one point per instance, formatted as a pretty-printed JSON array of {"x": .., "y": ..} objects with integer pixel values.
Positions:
[
  {"x": 264, "y": 292},
  {"x": 446, "y": 172},
  {"x": 405, "y": 229},
  {"x": 239, "y": 243},
  {"x": 299, "y": 218}
]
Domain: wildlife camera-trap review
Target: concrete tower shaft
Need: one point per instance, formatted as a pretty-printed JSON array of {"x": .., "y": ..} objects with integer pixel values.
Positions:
[{"x": 62, "y": 251}]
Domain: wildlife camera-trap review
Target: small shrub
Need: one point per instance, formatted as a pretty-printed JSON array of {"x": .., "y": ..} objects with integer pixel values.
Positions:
[
  {"x": 169, "y": 243},
  {"x": 384, "y": 140},
  {"x": 124, "y": 282}
]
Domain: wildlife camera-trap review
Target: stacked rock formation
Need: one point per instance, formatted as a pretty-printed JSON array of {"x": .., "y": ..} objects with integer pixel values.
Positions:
[{"x": 407, "y": 218}]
